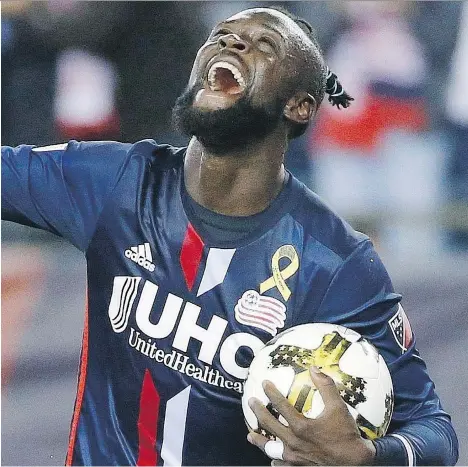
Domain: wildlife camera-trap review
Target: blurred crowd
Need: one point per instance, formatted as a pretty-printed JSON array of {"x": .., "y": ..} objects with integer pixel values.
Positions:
[{"x": 395, "y": 163}]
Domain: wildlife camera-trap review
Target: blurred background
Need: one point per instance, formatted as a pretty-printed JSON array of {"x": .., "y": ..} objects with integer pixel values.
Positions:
[{"x": 395, "y": 165}]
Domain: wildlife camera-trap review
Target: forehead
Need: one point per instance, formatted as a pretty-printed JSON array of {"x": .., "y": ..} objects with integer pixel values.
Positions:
[{"x": 268, "y": 19}]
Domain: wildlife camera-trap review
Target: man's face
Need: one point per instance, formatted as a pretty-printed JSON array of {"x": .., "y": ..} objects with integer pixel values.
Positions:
[{"x": 241, "y": 79}]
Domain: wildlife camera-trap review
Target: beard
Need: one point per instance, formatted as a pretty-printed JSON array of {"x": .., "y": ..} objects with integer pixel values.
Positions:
[{"x": 223, "y": 130}]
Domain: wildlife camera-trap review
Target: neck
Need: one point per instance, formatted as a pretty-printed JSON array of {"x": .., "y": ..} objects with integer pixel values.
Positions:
[{"x": 239, "y": 183}]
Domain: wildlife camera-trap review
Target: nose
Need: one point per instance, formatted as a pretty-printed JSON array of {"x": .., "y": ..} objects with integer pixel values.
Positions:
[{"x": 233, "y": 41}]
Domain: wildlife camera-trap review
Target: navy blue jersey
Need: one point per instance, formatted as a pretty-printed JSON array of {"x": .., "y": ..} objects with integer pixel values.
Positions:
[{"x": 174, "y": 317}]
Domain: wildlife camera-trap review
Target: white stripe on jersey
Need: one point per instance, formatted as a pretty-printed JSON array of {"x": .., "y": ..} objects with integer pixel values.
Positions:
[
  {"x": 174, "y": 428},
  {"x": 217, "y": 264},
  {"x": 53, "y": 147},
  {"x": 408, "y": 447}
]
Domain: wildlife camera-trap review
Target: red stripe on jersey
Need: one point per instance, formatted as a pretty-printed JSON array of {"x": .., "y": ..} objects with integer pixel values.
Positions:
[
  {"x": 80, "y": 390},
  {"x": 266, "y": 317},
  {"x": 148, "y": 422},
  {"x": 190, "y": 255}
]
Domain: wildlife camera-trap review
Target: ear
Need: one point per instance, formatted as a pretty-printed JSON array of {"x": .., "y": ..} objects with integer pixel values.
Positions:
[{"x": 301, "y": 108}]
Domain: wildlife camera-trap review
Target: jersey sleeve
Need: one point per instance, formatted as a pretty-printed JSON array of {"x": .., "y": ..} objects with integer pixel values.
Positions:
[
  {"x": 61, "y": 188},
  {"x": 361, "y": 297}
]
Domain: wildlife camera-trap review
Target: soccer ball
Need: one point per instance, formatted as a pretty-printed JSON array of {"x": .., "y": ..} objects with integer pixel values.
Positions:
[{"x": 359, "y": 372}]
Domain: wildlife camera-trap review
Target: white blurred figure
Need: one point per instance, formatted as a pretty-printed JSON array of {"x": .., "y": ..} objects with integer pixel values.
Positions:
[
  {"x": 85, "y": 103},
  {"x": 457, "y": 97},
  {"x": 457, "y": 115},
  {"x": 375, "y": 159}
]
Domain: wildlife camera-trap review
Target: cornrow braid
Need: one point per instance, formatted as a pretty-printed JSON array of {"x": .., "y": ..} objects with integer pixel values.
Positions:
[{"x": 336, "y": 94}]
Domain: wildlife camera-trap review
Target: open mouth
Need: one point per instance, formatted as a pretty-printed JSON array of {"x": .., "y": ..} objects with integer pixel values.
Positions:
[{"x": 225, "y": 77}]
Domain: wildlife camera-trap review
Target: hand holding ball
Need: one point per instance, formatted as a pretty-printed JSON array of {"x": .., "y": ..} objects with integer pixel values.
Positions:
[{"x": 359, "y": 372}]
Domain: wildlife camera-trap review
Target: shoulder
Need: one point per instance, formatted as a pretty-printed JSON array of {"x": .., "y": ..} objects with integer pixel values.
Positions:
[
  {"x": 147, "y": 149},
  {"x": 151, "y": 149},
  {"x": 114, "y": 158},
  {"x": 322, "y": 226}
]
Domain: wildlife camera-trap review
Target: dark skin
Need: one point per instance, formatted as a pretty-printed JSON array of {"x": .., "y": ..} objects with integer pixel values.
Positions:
[
  {"x": 245, "y": 181},
  {"x": 331, "y": 439}
]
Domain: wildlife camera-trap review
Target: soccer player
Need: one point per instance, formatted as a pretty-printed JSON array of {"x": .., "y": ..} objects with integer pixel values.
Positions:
[{"x": 197, "y": 256}]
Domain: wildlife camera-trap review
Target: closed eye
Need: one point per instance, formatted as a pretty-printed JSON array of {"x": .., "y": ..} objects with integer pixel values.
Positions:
[{"x": 266, "y": 44}]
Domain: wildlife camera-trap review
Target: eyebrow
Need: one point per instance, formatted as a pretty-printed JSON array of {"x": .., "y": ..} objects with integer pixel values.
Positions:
[{"x": 231, "y": 21}]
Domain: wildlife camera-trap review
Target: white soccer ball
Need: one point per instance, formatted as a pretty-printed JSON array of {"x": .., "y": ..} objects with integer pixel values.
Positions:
[{"x": 359, "y": 372}]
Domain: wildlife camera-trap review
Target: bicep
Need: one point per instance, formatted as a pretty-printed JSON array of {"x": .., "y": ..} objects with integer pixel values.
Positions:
[
  {"x": 21, "y": 175},
  {"x": 361, "y": 297},
  {"x": 60, "y": 188}
]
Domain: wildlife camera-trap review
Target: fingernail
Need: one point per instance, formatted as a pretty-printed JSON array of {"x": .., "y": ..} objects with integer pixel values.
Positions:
[
  {"x": 249, "y": 438},
  {"x": 315, "y": 370},
  {"x": 265, "y": 384},
  {"x": 251, "y": 402}
]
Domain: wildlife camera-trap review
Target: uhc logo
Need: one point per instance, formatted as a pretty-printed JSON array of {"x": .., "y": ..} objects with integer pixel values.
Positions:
[
  {"x": 179, "y": 319},
  {"x": 123, "y": 296}
]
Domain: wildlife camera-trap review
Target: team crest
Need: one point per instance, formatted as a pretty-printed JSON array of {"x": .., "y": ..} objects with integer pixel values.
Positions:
[
  {"x": 268, "y": 313},
  {"x": 401, "y": 329},
  {"x": 262, "y": 312}
]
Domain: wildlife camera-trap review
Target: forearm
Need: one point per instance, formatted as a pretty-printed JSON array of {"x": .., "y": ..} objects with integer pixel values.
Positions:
[{"x": 426, "y": 441}]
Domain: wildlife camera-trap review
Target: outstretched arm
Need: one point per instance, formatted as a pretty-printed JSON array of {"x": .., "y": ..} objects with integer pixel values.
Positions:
[{"x": 61, "y": 188}]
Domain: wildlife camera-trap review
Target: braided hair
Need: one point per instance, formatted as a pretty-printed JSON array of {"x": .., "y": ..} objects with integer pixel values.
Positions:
[
  {"x": 336, "y": 94},
  {"x": 323, "y": 81}
]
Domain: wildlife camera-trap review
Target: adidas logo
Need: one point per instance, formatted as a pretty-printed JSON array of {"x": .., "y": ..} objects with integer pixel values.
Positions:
[{"x": 141, "y": 255}]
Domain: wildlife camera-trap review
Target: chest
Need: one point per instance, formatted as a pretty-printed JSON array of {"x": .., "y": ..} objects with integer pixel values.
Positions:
[{"x": 164, "y": 292}]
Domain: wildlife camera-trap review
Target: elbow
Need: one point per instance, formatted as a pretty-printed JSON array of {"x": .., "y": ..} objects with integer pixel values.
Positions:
[
  {"x": 452, "y": 456},
  {"x": 449, "y": 455},
  {"x": 442, "y": 446}
]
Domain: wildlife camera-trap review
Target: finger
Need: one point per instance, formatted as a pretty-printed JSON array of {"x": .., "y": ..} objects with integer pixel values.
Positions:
[
  {"x": 257, "y": 440},
  {"x": 278, "y": 463},
  {"x": 327, "y": 388},
  {"x": 277, "y": 450},
  {"x": 273, "y": 449},
  {"x": 280, "y": 403},
  {"x": 266, "y": 420}
]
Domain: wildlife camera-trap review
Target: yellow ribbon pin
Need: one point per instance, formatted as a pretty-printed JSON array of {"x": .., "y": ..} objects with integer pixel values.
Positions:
[{"x": 278, "y": 279}]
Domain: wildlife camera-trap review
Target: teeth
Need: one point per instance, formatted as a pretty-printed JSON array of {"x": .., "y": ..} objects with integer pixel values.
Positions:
[{"x": 234, "y": 70}]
